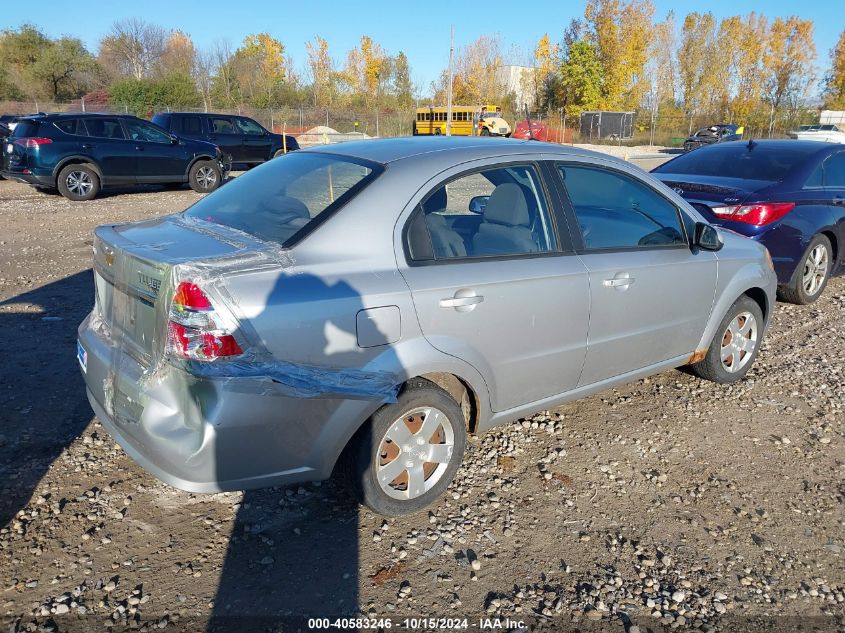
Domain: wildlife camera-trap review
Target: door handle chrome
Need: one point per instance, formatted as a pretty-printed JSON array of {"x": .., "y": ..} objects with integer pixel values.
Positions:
[
  {"x": 619, "y": 282},
  {"x": 460, "y": 301},
  {"x": 464, "y": 300}
]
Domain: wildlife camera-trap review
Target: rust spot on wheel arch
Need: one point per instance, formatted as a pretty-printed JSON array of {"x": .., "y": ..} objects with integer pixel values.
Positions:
[{"x": 697, "y": 356}]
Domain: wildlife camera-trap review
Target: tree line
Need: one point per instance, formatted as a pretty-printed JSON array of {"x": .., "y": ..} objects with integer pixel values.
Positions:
[{"x": 617, "y": 56}]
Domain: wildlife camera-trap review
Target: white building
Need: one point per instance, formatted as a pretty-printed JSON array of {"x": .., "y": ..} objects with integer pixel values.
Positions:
[
  {"x": 520, "y": 81},
  {"x": 835, "y": 117}
]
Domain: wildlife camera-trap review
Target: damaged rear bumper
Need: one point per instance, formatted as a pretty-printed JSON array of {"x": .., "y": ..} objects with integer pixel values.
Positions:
[{"x": 216, "y": 433}]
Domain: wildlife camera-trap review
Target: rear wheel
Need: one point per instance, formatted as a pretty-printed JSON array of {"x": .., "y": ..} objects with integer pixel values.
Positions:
[
  {"x": 205, "y": 176},
  {"x": 485, "y": 132},
  {"x": 810, "y": 277},
  {"x": 78, "y": 182},
  {"x": 407, "y": 454},
  {"x": 735, "y": 344}
]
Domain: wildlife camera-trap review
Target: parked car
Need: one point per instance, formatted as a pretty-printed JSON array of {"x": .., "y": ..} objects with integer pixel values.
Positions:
[
  {"x": 788, "y": 195},
  {"x": 828, "y": 132},
  {"x": 720, "y": 133},
  {"x": 81, "y": 153},
  {"x": 244, "y": 140},
  {"x": 352, "y": 302}
]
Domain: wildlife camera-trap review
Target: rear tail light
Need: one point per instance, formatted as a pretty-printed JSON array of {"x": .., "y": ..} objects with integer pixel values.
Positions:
[
  {"x": 33, "y": 141},
  {"x": 194, "y": 328},
  {"x": 759, "y": 214}
]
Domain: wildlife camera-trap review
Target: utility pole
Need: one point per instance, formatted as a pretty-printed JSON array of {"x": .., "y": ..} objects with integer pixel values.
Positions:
[{"x": 451, "y": 77}]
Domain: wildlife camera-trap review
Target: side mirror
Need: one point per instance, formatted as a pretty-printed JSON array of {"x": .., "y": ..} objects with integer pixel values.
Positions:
[
  {"x": 706, "y": 237},
  {"x": 478, "y": 204},
  {"x": 174, "y": 140}
]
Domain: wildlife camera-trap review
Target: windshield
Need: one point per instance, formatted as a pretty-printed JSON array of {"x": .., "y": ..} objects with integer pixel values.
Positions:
[
  {"x": 284, "y": 199},
  {"x": 737, "y": 161}
]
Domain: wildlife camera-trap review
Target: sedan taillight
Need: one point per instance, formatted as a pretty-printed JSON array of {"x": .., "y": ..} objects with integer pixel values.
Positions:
[
  {"x": 33, "y": 141},
  {"x": 194, "y": 329},
  {"x": 759, "y": 214}
]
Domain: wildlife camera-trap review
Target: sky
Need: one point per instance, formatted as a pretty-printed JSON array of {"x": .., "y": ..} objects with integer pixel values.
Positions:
[{"x": 420, "y": 29}]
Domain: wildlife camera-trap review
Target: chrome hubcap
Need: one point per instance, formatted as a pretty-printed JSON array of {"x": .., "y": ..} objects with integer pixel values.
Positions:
[
  {"x": 739, "y": 342},
  {"x": 206, "y": 177},
  {"x": 79, "y": 182},
  {"x": 815, "y": 269},
  {"x": 415, "y": 453}
]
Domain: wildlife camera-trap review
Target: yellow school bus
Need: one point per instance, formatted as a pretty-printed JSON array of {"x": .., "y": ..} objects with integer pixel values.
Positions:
[{"x": 432, "y": 120}]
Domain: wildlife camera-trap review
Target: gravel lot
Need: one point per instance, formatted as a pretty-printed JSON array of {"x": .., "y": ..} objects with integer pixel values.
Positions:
[{"x": 669, "y": 503}]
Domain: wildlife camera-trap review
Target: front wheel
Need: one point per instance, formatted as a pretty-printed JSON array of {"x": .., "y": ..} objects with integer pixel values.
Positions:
[
  {"x": 485, "y": 132},
  {"x": 407, "y": 454},
  {"x": 735, "y": 345},
  {"x": 810, "y": 277},
  {"x": 78, "y": 182},
  {"x": 205, "y": 176}
]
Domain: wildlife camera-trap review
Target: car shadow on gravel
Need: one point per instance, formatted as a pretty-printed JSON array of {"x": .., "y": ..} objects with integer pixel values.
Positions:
[{"x": 42, "y": 397}]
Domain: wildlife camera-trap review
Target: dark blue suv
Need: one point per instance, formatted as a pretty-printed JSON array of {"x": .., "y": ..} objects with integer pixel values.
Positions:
[{"x": 80, "y": 153}]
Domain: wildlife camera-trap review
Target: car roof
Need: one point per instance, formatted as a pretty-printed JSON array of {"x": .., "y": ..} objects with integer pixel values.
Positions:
[
  {"x": 460, "y": 148},
  {"x": 65, "y": 115},
  {"x": 775, "y": 144}
]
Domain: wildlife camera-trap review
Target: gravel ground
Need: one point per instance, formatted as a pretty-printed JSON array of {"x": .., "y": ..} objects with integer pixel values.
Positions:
[{"x": 670, "y": 503}]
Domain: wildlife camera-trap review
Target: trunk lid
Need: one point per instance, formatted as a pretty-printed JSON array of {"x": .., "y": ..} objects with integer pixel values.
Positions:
[
  {"x": 133, "y": 266},
  {"x": 705, "y": 192}
]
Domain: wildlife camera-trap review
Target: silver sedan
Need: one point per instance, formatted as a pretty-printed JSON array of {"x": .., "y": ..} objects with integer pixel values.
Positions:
[{"x": 372, "y": 304}]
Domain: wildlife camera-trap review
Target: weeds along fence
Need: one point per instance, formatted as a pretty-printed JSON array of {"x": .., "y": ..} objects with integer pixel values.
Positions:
[{"x": 327, "y": 125}]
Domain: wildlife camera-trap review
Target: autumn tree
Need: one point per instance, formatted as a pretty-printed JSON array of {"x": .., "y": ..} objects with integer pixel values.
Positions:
[
  {"x": 403, "y": 87},
  {"x": 621, "y": 34},
  {"x": 835, "y": 80},
  {"x": 477, "y": 75},
  {"x": 19, "y": 50},
  {"x": 546, "y": 58},
  {"x": 64, "y": 70},
  {"x": 788, "y": 61},
  {"x": 257, "y": 70},
  {"x": 697, "y": 36},
  {"x": 177, "y": 55},
  {"x": 580, "y": 81},
  {"x": 133, "y": 48},
  {"x": 322, "y": 72},
  {"x": 748, "y": 68}
]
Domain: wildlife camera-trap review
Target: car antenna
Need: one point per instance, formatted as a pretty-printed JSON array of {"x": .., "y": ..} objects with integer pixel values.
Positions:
[
  {"x": 751, "y": 144},
  {"x": 528, "y": 118}
]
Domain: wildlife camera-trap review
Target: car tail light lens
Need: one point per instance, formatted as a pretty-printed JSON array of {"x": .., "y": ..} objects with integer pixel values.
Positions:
[
  {"x": 759, "y": 214},
  {"x": 33, "y": 141},
  {"x": 194, "y": 328}
]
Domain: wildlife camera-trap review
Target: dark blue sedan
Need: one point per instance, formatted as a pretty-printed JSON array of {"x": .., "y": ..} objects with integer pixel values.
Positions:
[{"x": 788, "y": 195}]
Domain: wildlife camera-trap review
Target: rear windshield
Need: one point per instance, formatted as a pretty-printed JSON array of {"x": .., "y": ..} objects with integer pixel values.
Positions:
[
  {"x": 26, "y": 128},
  {"x": 283, "y": 200},
  {"x": 737, "y": 161}
]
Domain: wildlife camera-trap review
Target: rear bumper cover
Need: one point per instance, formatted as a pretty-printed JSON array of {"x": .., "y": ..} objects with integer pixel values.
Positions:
[
  {"x": 204, "y": 434},
  {"x": 36, "y": 180}
]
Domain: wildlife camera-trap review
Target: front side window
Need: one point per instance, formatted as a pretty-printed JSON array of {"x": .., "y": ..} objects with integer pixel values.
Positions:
[
  {"x": 616, "y": 211},
  {"x": 221, "y": 126},
  {"x": 494, "y": 212},
  {"x": 250, "y": 127},
  {"x": 104, "y": 127},
  {"x": 143, "y": 131},
  {"x": 289, "y": 195}
]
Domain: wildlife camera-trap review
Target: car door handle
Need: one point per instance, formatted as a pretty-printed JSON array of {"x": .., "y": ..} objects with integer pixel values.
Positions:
[
  {"x": 139, "y": 148},
  {"x": 619, "y": 281},
  {"x": 463, "y": 301},
  {"x": 87, "y": 146}
]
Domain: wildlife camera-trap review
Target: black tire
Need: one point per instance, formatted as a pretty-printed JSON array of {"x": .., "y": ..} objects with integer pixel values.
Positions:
[
  {"x": 78, "y": 182},
  {"x": 803, "y": 290},
  {"x": 485, "y": 132},
  {"x": 712, "y": 368},
  {"x": 205, "y": 176},
  {"x": 437, "y": 131},
  {"x": 363, "y": 454}
]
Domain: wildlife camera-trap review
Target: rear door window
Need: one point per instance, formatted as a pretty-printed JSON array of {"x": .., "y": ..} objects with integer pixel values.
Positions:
[
  {"x": 834, "y": 171},
  {"x": 72, "y": 126},
  {"x": 104, "y": 127},
  {"x": 222, "y": 125},
  {"x": 191, "y": 125},
  {"x": 616, "y": 211}
]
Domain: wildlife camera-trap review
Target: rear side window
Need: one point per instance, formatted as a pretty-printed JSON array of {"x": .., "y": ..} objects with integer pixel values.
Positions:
[
  {"x": 761, "y": 162},
  {"x": 72, "y": 126},
  {"x": 221, "y": 126},
  {"x": 615, "y": 211},
  {"x": 834, "y": 171},
  {"x": 288, "y": 197},
  {"x": 191, "y": 125},
  {"x": 104, "y": 128}
]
